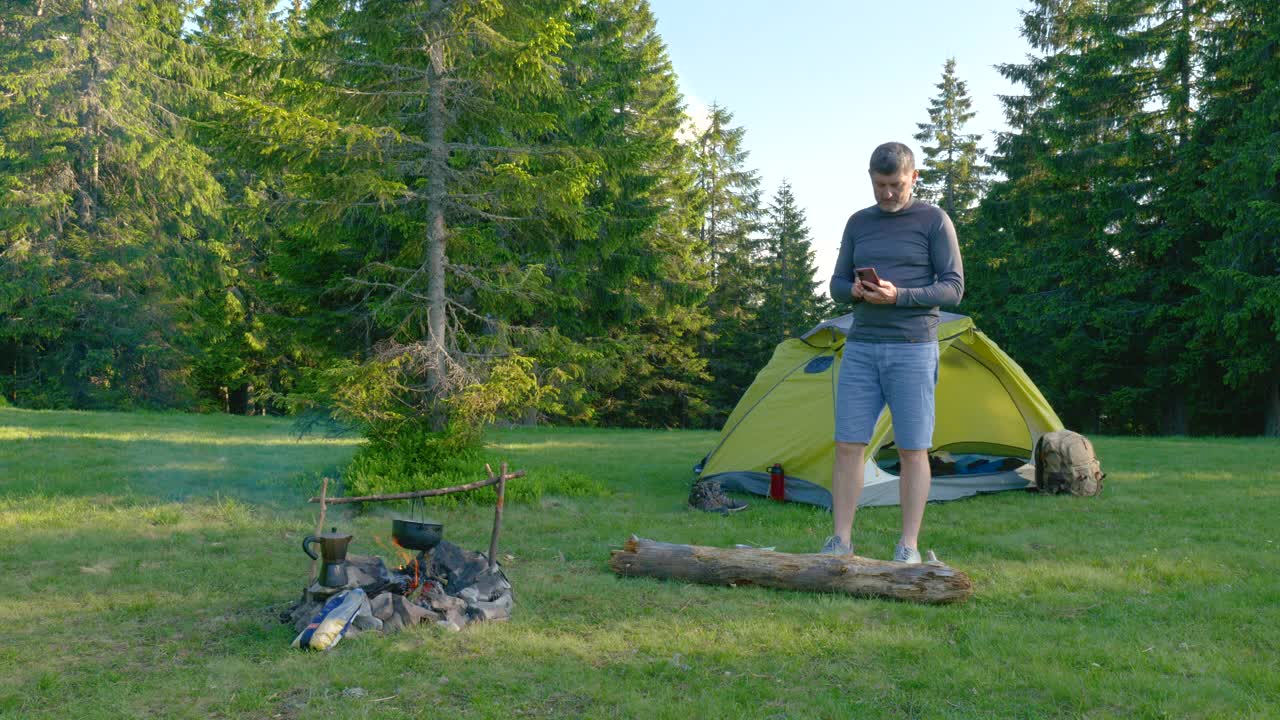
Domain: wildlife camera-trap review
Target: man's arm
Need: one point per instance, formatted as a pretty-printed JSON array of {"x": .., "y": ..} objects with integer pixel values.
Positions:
[
  {"x": 948, "y": 271},
  {"x": 842, "y": 276}
]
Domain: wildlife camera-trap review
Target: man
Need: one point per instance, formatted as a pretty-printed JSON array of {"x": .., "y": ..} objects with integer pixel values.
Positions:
[{"x": 891, "y": 355}]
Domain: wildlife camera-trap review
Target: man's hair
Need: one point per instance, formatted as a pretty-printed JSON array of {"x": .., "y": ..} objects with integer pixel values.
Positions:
[{"x": 892, "y": 158}]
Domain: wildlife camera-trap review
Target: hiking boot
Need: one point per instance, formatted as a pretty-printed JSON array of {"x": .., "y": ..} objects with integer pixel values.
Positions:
[
  {"x": 904, "y": 554},
  {"x": 706, "y": 495},
  {"x": 835, "y": 546}
]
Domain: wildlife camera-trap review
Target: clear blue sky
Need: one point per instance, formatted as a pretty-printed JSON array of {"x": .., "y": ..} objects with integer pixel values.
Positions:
[{"x": 818, "y": 84}]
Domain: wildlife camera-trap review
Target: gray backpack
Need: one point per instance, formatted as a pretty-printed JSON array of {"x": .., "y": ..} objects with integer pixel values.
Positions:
[{"x": 1065, "y": 462}]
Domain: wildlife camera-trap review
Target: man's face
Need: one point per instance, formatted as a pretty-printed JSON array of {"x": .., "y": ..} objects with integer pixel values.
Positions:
[{"x": 893, "y": 192}]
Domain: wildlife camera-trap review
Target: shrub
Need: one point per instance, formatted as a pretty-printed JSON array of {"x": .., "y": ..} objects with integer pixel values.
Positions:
[
  {"x": 414, "y": 458},
  {"x": 409, "y": 457}
]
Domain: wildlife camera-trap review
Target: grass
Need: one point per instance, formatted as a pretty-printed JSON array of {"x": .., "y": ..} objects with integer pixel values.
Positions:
[{"x": 144, "y": 557}]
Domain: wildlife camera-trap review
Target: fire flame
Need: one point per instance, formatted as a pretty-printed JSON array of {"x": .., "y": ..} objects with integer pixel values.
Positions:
[{"x": 407, "y": 558}]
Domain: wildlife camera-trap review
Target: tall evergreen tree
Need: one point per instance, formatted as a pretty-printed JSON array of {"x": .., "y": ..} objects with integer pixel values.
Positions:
[
  {"x": 242, "y": 359},
  {"x": 629, "y": 285},
  {"x": 1236, "y": 309},
  {"x": 728, "y": 232},
  {"x": 790, "y": 303},
  {"x": 105, "y": 202},
  {"x": 415, "y": 154},
  {"x": 952, "y": 174},
  {"x": 1093, "y": 251}
]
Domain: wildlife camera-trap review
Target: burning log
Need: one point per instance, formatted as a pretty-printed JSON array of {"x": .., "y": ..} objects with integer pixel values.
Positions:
[
  {"x": 931, "y": 582},
  {"x": 454, "y": 588},
  {"x": 451, "y": 587}
]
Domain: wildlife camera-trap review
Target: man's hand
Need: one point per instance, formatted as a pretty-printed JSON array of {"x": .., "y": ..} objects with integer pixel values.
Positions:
[
  {"x": 886, "y": 293},
  {"x": 858, "y": 292}
]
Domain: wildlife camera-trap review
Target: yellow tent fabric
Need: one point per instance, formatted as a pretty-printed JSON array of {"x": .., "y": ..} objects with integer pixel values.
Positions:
[{"x": 985, "y": 404}]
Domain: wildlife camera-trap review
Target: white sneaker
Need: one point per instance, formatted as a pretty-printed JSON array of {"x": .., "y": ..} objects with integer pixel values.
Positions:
[{"x": 904, "y": 554}]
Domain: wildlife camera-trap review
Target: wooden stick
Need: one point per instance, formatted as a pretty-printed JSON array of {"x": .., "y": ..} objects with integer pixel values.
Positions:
[
  {"x": 425, "y": 493},
  {"x": 324, "y": 490},
  {"x": 497, "y": 515},
  {"x": 931, "y": 582}
]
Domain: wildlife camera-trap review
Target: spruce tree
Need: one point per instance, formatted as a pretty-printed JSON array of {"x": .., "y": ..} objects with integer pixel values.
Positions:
[
  {"x": 1083, "y": 252},
  {"x": 629, "y": 286},
  {"x": 243, "y": 361},
  {"x": 729, "y": 235},
  {"x": 790, "y": 303},
  {"x": 106, "y": 203},
  {"x": 1236, "y": 307},
  {"x": 952, "y": 175},
  {"x": 415, "y": 153}
]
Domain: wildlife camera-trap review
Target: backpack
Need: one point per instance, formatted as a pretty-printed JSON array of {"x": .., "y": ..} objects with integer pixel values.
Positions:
[{"x": 1065, "y": 462}]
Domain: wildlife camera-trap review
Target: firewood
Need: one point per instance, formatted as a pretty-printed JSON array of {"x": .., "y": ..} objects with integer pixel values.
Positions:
[
  {"x": 931, "y": 582},
  {"x": 497, "y": 514},
  {"x": 324, "y": 492},
  {"x": 435, "y": 492}
]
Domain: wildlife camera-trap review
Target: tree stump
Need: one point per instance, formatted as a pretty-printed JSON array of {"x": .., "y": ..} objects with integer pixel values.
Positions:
[{"x": 930, "y": 582}]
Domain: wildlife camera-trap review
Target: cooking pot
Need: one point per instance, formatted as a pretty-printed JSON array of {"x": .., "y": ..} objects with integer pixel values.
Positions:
[{"x": 415, "y": 535}]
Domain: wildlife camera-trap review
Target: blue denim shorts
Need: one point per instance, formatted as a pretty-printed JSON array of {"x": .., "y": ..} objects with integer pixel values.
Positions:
[{"x": 903, "y": 375}]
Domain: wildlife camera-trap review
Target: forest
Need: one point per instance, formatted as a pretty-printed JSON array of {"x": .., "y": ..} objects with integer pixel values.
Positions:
[{"x": 423, "y": 216}]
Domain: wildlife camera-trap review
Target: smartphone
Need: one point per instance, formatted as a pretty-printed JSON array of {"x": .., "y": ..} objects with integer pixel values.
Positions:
[{"x": 868, "y": 276}]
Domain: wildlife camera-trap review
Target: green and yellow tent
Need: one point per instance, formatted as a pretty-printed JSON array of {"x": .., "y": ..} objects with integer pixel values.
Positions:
[{"x": 986, "y": 407}]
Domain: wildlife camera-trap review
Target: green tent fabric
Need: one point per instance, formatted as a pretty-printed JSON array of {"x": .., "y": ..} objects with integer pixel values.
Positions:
[{"x": 986, "y": 405}]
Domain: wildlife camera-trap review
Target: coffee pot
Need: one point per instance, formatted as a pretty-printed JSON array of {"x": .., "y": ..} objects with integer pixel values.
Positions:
[{"x": 333, "y": 556}]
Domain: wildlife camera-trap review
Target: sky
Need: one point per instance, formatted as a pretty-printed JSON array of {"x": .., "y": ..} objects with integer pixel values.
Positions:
[{"x": 818, "y": 84}]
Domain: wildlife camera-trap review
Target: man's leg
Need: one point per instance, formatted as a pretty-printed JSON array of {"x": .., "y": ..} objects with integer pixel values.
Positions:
[
  {"x": 913, "y": 493},
  {"x": 859, "y": 402},
  {"x": 846, "y": 487},
  {"x": 909, "y": 390}
]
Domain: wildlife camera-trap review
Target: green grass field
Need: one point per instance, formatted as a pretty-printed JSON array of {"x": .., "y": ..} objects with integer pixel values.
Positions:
[{"x": 144, "y": 558}]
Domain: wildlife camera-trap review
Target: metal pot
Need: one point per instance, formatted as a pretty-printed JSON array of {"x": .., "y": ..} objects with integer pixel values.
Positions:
[
  {"x": 414, "y": 535},
  {"x": 333, "y": 553}
]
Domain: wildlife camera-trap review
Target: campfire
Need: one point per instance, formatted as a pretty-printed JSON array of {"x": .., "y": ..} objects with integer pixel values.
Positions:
[
  {"x": 441, "y": 584},
  {"x": 447, "y": 586}
]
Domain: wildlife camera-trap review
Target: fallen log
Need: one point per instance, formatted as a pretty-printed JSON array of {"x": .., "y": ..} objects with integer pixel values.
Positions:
[{"x": 930, "y": 582}]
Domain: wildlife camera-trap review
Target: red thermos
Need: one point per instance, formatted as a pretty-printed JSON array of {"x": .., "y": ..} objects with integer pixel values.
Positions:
[{"x": 777, "y": 482}]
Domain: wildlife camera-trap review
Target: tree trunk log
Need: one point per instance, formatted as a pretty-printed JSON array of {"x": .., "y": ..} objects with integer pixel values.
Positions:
[
  {"x": 1174, "y": 418},
  {"x": 437, "y": 232},
  {"x": 1272, "y": 426},
  {"x": 931, "y": 582}
]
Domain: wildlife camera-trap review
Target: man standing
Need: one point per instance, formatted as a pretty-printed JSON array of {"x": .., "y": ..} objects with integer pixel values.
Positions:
[{"x": 891, "y": 355}]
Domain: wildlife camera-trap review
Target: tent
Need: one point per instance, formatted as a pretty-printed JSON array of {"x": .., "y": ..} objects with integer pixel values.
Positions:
[{"x": 989, "y": 415}]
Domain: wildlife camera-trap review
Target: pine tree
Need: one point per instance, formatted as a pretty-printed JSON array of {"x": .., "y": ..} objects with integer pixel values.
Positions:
[
  {"x": 1084, "y": 251},
  {"x": 728, "y": 232},
  {"x": 952, "y": 175},
  {"x": 1236, "y": 309},
  {"x": 791, "y": 303},
  {"x": 106, "y": 203},
  {"x": 730, "y": 195},
  {"x": 415, "y": 154},
  {"x": 629, "y": 286},
  {"x": 242, "y": 361}
]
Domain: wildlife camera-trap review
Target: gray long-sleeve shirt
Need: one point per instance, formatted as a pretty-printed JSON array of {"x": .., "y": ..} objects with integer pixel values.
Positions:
[{"x": 915, "y": 249}]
